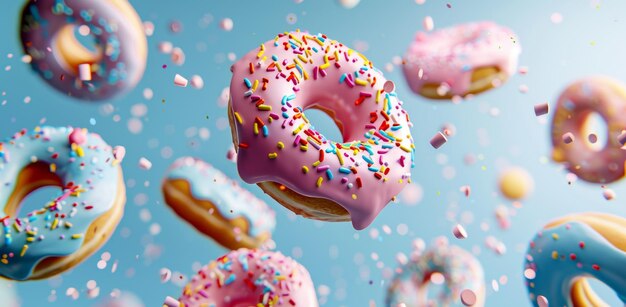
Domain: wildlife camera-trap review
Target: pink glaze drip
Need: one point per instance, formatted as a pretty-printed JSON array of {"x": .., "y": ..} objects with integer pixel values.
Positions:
[
  {"x": 245, "y": 277},
  {"x": 298, "y": 71},
  {"x": 449, "y": 56}
]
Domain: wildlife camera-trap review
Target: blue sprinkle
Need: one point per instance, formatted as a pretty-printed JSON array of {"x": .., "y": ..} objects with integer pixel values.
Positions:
[
  {"x": 344, "y": 170},
  {"x": 266, "y": 131},
  {"x": 329, "y": 174}
]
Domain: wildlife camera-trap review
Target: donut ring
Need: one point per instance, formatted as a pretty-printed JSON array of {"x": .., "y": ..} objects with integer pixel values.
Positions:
[
  {"x": 250, "y": 278},
  {"x": 464, "y": 59},
  {"x": 280, "y": 150},
  {"x": 571, "y": 249},
  {"x": 47, "y": 33},
  {"x": 607, "y": 97},
  {"x": 216, "y": 205},
  {"x": 71, "y": 227},
  {"x": 460, "y": 270}
]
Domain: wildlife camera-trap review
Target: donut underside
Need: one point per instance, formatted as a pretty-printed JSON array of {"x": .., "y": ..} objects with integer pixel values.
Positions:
[
  {"x": 482, "y": 80},
  {"x": 583, "y": 295},
  {"x": 37, "y": 175},
  {"x": 310, "y": 207},
  {"x": 178, "y": 196}
]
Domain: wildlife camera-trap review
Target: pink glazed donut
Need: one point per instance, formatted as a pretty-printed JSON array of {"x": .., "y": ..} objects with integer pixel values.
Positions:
[
  {"x": 279, "y": 148},
  {"x": 461, "y": 60},
  {"x": 580, "y": 99},
  {"x": 47, "y": 32},
  {"x": 246, "y": 277}
]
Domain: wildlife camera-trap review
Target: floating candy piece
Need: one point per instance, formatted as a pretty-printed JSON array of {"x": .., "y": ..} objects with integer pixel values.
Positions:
[
  {"x": 468, "y": 297},
  {"x": 176, "y": 26},
  {"x": 608, "y": 194},
  {"x": 467, "y": 190},
  {"x": 428, "y": 23},
  {"x": 197, "y": 82},
  {"x": 171, "y": 302},
  {"x": 568, "y": 137},
  {"x": 542, "y": 301},
  {"x": 84, "y": 72},
  {"x": 78, "y": 136},
  {"x": 121, "y": 299},
  {"x": 231, "y": 155},
  {"x": 389, "y": 86},
  {"x": 119, "y": 152},
  {"x": 226, "y": 24},
  {"x": 541, "y": 109},
  {"x": 523, "y": 70},
  {"x": 515, "y": 183},
  {"x": 148, "y": 28},
  {"x": 349, "y": 3},
  {"x": 459, "y": 232},
  {"x": 556, "y": 18},
  {"x": 448, "y": 129},
  {"x": 166, "y": 274},
  {"x": 145, "y": 163},
  {"x": 438, "y": 140},
  {"x": 180, "y": 81},
  {"x": 178, "y": 56},
  {"x": 165, "y": 47},
  {"x": 592, "y": 138},
  {"x": 502, "y": 216}
]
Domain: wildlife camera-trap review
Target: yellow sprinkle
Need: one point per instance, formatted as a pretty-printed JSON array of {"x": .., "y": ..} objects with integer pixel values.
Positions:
[
  {"x": 260, "y": 53},
  {"x": 304, "y": 147},
  {"x": 55, "y": 223},
  {"x": 280, "y": 145},
  {"x": 4, "y": 261},
  {"x": 305, "y": 169},
  {"x": 30, "y": 239},
  {"x": 255, "y": 85},
  {"x": 53, "y": 167},
  {"x": 24, "y": 249},
  {"x": 555, "y": 255},
  {"x": 264, "y": 107},
  {"x": 17, "y": 227},
  {"x": 68, "y": 225},
  {"x": 272, "y": 155},
  {"x": 555, "y": 236},
  {"x": 239, "y": 119},
  {"x": 326, "y": 63},
  {"x": 31, "y": 233},
  {"x": 354, "y": 196},
  {"x": 280, "y": 69},
  {"x": 405, "y": 148},
  {"x": 360, "y": 82},
  {"x": 79, "y": 151},
  {"x": 302, "y": 58},
  {"x": 256, "y": 129},
  {"x": 316, "y": 163},
  {"x": 77, "y": 236},
  {"x": 319, "y": 182},
  {"x": 339, "y": 156},
  {"x": 298, "y": 129}
]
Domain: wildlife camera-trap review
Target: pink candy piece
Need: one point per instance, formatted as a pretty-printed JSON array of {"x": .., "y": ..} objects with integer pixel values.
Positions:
[
  {"x": 119, "y": 152},
  {"x": 608, "y": 194},
  {"x": 165, "y": 47},
  {"x": 178, "y": 56},
  {"x": 197, "y": 82},
  {"x": 438, "y": 140},
  {"x": 389, "y": 86},
  {"x": 467, "y": 190},
  {"x": 459, "y": 232},
  {"x": 542, "y": 301},
  {"x": 226, "y": 24},
  {"x": 468, "y": 297},
  {"x": 171, "y": 302},
  {"x": 568, "y": 137},
  {"x": 84, "y": 72},
  {"x": 541, "y": 109},
  {"x": 78, "y": 136},
  {"x": 145, "y": 163},
  {"x": 180, "y": 81}
]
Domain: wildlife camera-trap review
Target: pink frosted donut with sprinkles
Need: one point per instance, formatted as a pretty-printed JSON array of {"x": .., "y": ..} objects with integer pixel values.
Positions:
[
  {"x": 249, "y": 278},
  {"x": 114, "y": 67},
  {"x": 65, "y": 231},
  {"x": 280, "y": 150},
  {"x": 464, "y": 59}
]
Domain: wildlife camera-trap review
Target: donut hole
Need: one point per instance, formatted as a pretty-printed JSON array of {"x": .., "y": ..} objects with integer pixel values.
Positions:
[
  {"x": 594, "y": 131},
  {"x": 323, "y": 123},
  {"x": 35, "y": 187},
  {"x": 74, "y": 45},
  {"x": 602, "y": 291}
]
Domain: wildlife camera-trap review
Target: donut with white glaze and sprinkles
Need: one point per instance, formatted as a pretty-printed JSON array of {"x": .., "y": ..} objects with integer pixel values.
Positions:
[
  {"x": 281, "y": 151},
  {"x": 72, "y": 226},
  {"x": 114, "y": 67},
  {"x": 216, "y": 205}
]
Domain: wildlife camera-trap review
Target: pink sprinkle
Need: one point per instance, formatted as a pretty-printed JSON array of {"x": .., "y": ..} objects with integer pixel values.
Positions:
[
  {"x": 180, "y": 81},
  {"x": 541, "y": 109},
  {"x": 523, "y": 70},
  {"x": 78, "y": 136},
  {"x": 145, "y": 163},
  {"x": 438, "y": 140},
  {"x": 119, "y": 152},
  {"x": 428, "y": 23},
  {"x": 84, "y": 72},
  {"x": 468, "y": 297}
]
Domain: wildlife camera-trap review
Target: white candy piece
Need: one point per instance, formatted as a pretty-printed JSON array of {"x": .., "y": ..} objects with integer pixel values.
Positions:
[
  {"x": 197, "y": 82},
  {"x": 145, "y": 163},
  {"x": 180, "y": 81},
  {"x": 226, "y": 24},
  {"x": 84, "y": 72},
  {"x": 428, "y": 23}
]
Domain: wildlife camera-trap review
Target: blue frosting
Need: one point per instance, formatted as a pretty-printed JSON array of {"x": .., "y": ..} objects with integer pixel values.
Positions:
[
  {"x": 90, "y": 179},
  {"x": 553, "y": 277},
  {"x": 210, "y": 184}
]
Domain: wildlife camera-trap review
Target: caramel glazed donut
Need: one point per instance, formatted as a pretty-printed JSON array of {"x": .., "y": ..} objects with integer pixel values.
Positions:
[
  {"x": 572, "y": 249},
  {"x": 280, "y": 150},
  {"x": 607, "y": 97},
  {"x": 116, "y": 66},
  {"x": 216, "y": 205},
  {"x": 72, "y": 226}
]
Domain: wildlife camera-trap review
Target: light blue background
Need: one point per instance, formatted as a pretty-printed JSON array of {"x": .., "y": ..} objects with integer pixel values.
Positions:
[{"x": 589, "y": 41}]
